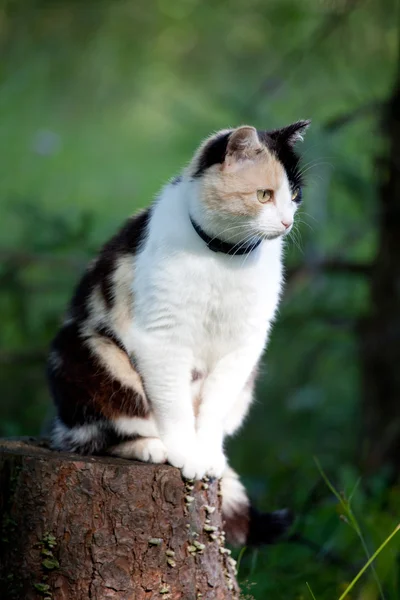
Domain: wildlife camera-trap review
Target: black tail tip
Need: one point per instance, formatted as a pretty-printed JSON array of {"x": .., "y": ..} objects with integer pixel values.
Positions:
[{"x": 268, "y": 528}]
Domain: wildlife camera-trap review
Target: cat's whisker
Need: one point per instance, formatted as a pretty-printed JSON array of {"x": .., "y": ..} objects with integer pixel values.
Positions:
[
  {"x": 315, "y": 176},
  {"x": 301, "y": 222},
  {"x": 305, "y": 165},
  {"x": 249, "y": 235},
  {"x": 311, "y": 147},
  {"x": 294, "y": 235},
  {"x": 235, "y": 227},
  {"x": 245, "y": 257},
  {"x": 306, "y": 214},
  {"x": 319, "y": 159},
  {"x": 255, "y": 238},
  {"x": 299, "y": 241},
  {"x": 307, "y": 168},
  {"x": 242, "y": 243},
  {"x": 314, "y": 161}
]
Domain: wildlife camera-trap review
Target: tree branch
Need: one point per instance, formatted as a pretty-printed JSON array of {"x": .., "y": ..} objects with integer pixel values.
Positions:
[
  {"x": 346, "y": 118},
  {"x": 32, "y": 355},
  {"x": 329, "y": 266},
  {"x": 24, "y": 259}
]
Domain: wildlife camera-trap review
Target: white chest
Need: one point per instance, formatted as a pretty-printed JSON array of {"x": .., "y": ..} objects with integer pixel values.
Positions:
[{"x": 209, "y": 303}]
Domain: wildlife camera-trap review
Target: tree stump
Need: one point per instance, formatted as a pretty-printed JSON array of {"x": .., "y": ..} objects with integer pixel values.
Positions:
[{"x": 102, "y": 528}]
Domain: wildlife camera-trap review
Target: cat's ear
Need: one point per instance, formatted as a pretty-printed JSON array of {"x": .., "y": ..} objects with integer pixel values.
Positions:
[
  {"x": 291, "y": 134},
  {"x": 243, "y": 143}
]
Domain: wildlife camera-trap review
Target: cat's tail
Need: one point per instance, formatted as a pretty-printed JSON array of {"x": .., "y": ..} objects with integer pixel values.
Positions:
[{"x": 244, "y": 525}]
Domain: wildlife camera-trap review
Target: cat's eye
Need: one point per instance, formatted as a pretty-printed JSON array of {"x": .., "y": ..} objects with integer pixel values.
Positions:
[
  {"x": 296, "y": 195},
  {"x": 264, "y": 196}
]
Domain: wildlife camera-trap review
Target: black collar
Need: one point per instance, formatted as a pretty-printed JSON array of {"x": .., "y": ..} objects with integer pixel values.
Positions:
[{"x": 217, "y": 245}]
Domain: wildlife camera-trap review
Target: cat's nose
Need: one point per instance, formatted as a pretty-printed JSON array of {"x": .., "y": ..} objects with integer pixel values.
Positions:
[{"x": 286, "y": 223}]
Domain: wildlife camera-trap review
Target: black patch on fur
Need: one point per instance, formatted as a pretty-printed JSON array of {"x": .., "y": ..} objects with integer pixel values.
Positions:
[
  {"x": 257, "y": 528},
  {"x": 236, "y": 525},
  {"x": 268, "y": 528},
  {"x": 213, "y": 153},
  {"x": 127, "y": 241},
  {"x": 99, "y": 444},
  {"x": 285, "y": 154},
  {"x": 83, "y": 390}
]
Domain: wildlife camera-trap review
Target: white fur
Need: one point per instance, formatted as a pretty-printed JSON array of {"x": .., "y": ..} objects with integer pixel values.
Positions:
[
  {"x": 58, "y": 434},
  {"x": 136, "y": 426},
  {"x": 239, "y": 410},
  {"x": 195, "y": 309},
  {"x": 233, "y": 492},
  {"x": 234, "y": 500}
]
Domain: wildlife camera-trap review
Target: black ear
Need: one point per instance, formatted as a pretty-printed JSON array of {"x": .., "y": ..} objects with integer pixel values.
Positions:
[
  {"x": 213, "y": 153},
  {"x": 291, "y": 134}
]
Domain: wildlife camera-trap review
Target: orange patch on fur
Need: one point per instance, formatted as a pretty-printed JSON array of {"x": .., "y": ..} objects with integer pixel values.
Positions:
[
  {"x": 196, "y": 405},
  {"x": 232, "y": 187},
  {"x": 118, "y": 365}
]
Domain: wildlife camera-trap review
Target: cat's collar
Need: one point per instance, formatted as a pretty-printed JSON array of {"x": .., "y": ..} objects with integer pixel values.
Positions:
[{"x": 217, "y": 245}]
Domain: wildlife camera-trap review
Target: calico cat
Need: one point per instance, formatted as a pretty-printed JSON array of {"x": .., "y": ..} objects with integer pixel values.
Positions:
[{"x": 157, "y": 357}]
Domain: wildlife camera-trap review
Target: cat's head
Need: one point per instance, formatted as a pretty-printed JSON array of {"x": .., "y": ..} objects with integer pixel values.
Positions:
[{"x": 248, "y": 181}]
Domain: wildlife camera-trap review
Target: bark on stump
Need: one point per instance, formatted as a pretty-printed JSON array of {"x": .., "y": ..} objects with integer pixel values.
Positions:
[{"x": 79, "y": 528}]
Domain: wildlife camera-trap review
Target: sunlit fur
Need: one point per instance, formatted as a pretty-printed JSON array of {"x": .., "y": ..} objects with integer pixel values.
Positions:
[{"x": 158, "y": 356}]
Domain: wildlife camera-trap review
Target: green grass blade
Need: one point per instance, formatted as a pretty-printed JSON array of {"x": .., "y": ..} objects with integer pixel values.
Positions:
[
  {"x": 354, "y": 490},
  {"x": 311, "y": 592},
  {"x": 253, "y": 562},
  {"x": 375, "y": 574},
  {"x": 330, "y": 485},
  {"x": 239, "y": 560},
  {"x": 351, "y": 519},
  {"x": 365, "y": 567}
]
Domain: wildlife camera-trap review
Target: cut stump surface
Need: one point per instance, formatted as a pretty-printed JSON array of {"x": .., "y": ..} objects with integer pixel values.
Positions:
[{"x": 102, "y": 528}]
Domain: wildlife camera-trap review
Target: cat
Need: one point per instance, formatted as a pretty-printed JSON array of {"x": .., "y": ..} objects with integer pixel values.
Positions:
[{"x": 157, "y": 357}]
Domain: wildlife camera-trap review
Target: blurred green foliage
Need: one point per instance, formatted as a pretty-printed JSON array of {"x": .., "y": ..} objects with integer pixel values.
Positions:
[{"x": 102, "y": 102}]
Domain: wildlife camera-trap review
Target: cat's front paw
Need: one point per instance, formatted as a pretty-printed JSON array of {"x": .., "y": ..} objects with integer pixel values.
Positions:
[
  {"x": 152, "y": 450},
  {"x": 211, "y": 453},
  {"x": 185, "y": 456},
  {"x": 214, "y": 463}
]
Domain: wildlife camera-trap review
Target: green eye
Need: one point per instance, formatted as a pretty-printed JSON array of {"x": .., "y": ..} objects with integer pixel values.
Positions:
[
  {"x": 264, "y": 196},
  {"x": 296, "y": 195}
]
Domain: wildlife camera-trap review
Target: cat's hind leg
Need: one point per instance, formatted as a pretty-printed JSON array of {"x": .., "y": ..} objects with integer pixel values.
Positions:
[
  {"x": 90, "y": 438},
  {"x": 97, "y": 390}
]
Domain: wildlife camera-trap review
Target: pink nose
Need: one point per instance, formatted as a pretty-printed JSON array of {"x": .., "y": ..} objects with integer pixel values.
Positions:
[{"x": 286, "y": 224}]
